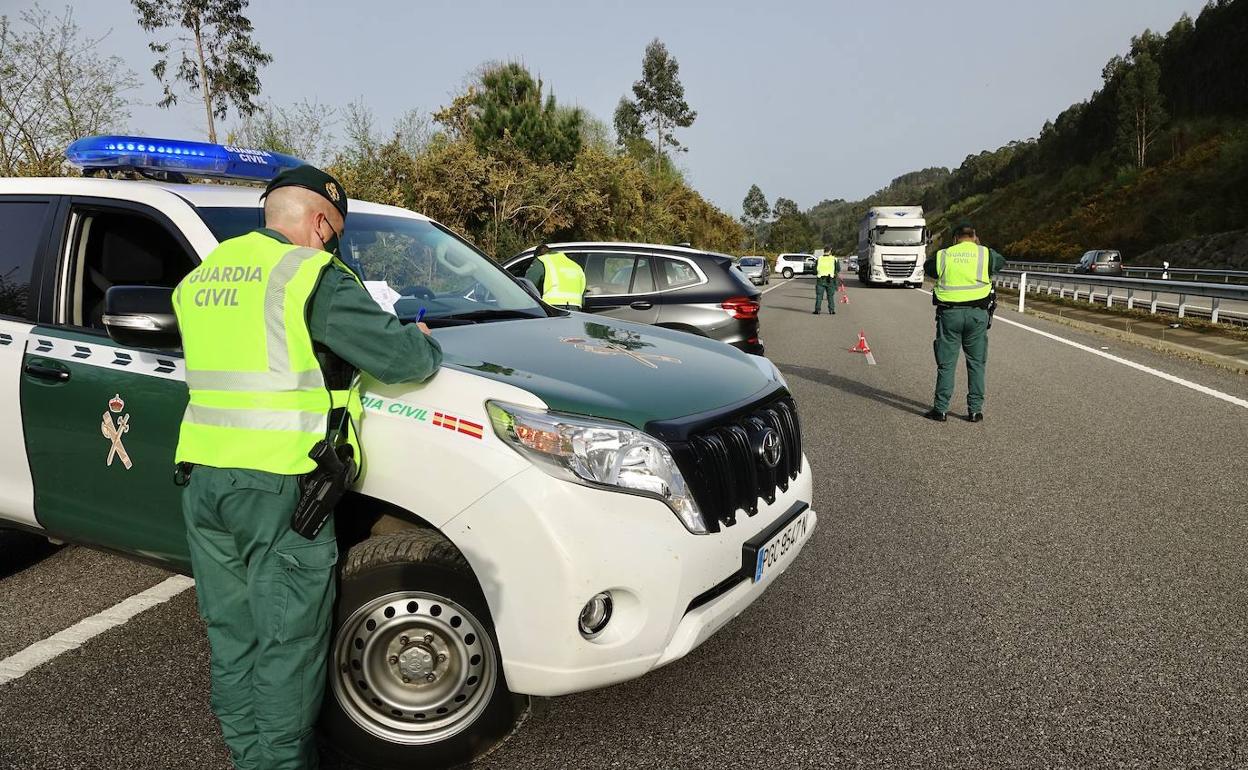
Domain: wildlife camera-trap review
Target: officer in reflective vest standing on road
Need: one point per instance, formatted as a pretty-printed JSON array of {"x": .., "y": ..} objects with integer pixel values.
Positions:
[
  {"x": 962, "y": 296},
  {"x": 274, "y": 327},
  {"x": 825, "y": 282},
  {"x": 560, "y": 280}
]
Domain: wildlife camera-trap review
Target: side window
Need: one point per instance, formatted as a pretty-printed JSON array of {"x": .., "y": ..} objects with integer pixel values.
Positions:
[
  {"x": 643, "y": 276},
  {"x": 677, "y": 273},
  {"x": 22, "y": 223},
  {"x": 117, "y": 248},
  {"x": 521, "y": 267}
]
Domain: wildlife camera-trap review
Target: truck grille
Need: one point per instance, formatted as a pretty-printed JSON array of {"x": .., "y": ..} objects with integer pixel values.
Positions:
[
  {"x": 724, "y": 463},
  {"x": 899, "y": 268}
]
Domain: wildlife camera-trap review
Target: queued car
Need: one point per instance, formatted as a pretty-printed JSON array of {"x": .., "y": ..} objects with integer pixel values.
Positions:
[
  {"x": 755, "y": 269},
  {"x": 1100, "y": 262},
  {"x": 789, "y": 265},
  {"x": 674, "y": 287}
]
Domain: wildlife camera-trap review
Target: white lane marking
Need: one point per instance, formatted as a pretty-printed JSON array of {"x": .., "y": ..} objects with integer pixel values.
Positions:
[
  {"x": 1196, "y": 386},
  {"x": 21, "y": 663},
  {"x": 777, "y": 286},
  {"x": 871, "y": 358}
]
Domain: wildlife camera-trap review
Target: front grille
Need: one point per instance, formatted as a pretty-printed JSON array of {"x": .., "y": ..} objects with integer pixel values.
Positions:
[
  {"x": 724, "y": 466},
  {"x": 899, "y": 269}
]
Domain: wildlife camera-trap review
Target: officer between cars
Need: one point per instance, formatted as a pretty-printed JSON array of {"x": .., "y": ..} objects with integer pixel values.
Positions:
[
  {"x": 274, "y": 327},
  {"x": 560, "y": 280},
  {"x": 962, "y": 298},
  {"x": 825, "y": 282}
]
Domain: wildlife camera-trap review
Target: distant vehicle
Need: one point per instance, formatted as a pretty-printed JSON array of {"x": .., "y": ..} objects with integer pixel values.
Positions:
[
  {"x": 853, "y": 263},
  {"x": 789, "y": 265},
  {"x": 1100, "y": 262},
  {"x": 892, "y": 245},
  {"x": 755, "y": 269},
  {"x": 675, "y": 287}
]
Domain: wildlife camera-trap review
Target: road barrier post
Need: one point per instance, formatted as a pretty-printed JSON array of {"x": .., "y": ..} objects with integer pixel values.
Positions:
[
  {"x": 1214, "y": 315},
  {"x": 1109, "y": 297},
  {"x": 1130, "y": 299},
  {"x": 1022, "y": 292},
  {"x": 1182, "y": 305},
  {"x": 1152, "y": 306}
]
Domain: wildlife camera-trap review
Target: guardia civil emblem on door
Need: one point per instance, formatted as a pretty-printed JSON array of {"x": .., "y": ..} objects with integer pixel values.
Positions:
[{"x": 113, "y": 431}]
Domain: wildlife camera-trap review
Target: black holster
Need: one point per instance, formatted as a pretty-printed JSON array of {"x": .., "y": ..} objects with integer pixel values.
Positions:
[{"x": 321, "y": 489}]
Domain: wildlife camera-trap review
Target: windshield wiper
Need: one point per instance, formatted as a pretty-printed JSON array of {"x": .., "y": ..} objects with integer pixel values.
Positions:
[{"x": 493, "y": 314}]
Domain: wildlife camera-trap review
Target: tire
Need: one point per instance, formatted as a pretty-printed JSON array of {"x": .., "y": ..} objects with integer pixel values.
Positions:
[
  {"x": 787, "y": 272},
  {"x": 409, "y": 606}
]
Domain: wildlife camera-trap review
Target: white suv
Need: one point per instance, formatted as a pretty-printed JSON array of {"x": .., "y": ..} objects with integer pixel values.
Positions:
[{"x": 789, "y": 265}]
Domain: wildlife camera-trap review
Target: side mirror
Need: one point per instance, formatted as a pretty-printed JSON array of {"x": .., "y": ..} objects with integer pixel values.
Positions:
[{"x": 141, "y": 317}]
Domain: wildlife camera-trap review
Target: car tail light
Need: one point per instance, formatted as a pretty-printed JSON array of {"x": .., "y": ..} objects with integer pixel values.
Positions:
[{"x": 742, "y": 308}]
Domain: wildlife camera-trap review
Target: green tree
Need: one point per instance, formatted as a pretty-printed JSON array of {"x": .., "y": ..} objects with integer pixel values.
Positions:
[
  {"x": 55, "y": 87},
  {"x": 755, "y": 210},
  {"x": 660, "y": 97},
  {"x": 785, "y": 207},
  {"x": 509, "y": 105},
  {"x": 1141, "y": 115},
  {"x": 219, "y": 59}
]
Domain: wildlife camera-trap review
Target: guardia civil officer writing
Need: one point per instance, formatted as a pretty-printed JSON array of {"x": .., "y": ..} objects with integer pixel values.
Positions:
[
  {"x": 560, "y": 280},
  {"x": 274, "y": 329},
  {"x": 962, "y": 296}
]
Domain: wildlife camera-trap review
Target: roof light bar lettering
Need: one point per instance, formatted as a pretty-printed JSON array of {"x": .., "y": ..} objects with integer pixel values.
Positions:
[{"x": 176, "y": 156}]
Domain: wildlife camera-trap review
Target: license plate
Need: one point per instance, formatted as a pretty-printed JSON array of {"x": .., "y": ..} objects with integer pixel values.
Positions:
[{"x": 774, "y": 550}]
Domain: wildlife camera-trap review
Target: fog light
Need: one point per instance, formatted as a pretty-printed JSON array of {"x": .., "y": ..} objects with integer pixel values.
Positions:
[{"x": 595, "y": 615}]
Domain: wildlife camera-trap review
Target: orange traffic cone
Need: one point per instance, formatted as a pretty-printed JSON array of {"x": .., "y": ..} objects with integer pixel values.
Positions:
[
  {"x": 862, "y": 346},
  {"x": 844, "y": 297}
]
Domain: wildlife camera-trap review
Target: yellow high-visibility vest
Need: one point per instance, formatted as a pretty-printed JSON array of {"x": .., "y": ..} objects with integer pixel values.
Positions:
[
  {"x": 825, "y": 267},
  {"x": 258, "y": 398},
  {"x": 564, "y": 283},
  {"x": 962, "y": 273}
]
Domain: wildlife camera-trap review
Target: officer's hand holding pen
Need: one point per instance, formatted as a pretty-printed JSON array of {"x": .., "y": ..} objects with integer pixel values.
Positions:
[{"x": 420, "y": 321}]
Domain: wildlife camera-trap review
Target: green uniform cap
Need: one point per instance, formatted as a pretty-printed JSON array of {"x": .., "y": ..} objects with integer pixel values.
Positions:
[{"x": 314, "y": 179}]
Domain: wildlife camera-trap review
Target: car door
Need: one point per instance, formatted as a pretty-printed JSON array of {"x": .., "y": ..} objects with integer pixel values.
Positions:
[
  {"x": 26, "y": 223},
  {"x": 619, "y": 284},
  {"x": 101, "y": 419}
]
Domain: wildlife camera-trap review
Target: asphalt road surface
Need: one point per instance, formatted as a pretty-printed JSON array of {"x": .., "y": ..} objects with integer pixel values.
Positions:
[{"x": 1061, "y": 585}]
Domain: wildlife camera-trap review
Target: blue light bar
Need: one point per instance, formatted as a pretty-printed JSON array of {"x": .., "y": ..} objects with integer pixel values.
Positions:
[{"x": 177, "y": 156}]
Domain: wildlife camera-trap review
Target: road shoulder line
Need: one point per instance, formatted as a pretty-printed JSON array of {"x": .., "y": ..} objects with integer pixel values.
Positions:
[{"x": 21, "y": 663}]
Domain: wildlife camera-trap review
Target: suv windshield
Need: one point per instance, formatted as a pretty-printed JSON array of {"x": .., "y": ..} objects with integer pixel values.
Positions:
[
  {"x": 899, "y": 236},
  {"x": 410, "y": 264}
]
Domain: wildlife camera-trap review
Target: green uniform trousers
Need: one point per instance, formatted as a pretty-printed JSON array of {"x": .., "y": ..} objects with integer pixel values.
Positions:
[
  {"x": 266, "y": 595},
  {"x": 965, "y": 329},
  {"x": 825, "y": 287}
]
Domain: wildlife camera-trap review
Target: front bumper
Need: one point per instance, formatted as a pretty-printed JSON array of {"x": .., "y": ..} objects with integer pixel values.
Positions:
[{"x": 541, "y": 547}]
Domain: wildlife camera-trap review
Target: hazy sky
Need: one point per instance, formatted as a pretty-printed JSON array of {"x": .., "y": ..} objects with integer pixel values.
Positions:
[{"x": 808, "y": 99}]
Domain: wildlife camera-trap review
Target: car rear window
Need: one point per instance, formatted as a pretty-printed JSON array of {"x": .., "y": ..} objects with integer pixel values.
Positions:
[
  {"x": 1110, "y": 256},
  {"x": 750, "y": 262}
]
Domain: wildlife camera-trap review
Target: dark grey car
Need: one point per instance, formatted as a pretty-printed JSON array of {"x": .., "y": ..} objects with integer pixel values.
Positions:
[
  {"x": 695, "y": 291},
  {"x": 1100, "y": 262}
]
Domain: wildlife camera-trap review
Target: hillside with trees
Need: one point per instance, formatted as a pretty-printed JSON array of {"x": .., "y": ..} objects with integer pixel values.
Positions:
[{"x": 1154, "y": 163}]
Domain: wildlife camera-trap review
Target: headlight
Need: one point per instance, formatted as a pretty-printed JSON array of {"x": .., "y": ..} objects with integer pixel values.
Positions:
[{"x": 598, "y": 453}]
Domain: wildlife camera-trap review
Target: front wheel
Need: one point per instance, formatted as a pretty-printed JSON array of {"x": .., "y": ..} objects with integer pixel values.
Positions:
[
  {"x": 787, "y": 272},
  {"x": 416, "y": 677}
]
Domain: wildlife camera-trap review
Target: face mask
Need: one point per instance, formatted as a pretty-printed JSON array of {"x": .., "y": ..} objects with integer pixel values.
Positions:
[{"x": 330, "y": 245}]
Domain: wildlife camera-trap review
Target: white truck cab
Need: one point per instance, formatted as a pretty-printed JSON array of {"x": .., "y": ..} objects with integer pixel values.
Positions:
[
  {"x": 892, "y": 245},
  {"x": 571, "y": 502}
]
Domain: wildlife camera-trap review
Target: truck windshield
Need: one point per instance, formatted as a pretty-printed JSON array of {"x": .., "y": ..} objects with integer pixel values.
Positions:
[
  {"x": 410, "y": 264},
  {"x": 899, "y": 236}
]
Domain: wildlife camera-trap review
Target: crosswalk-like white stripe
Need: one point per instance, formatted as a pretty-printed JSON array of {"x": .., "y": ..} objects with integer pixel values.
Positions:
[{"x": 19, "y": 664}]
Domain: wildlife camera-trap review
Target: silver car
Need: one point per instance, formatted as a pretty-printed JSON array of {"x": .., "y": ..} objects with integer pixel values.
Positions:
[{"x": 755, "y": 268}]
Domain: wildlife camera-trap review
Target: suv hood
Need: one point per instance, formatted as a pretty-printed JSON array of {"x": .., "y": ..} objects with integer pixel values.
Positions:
[{"x": 601, "y": 367}]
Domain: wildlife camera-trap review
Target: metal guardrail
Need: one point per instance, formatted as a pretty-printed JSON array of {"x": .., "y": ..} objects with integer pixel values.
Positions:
[
  {"x": 1163, "y": 273},
  {"x": 1024, "y": 281}
]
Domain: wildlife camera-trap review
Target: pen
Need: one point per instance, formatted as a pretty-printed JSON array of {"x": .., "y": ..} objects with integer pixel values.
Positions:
[{"x": 420, "y": 316}]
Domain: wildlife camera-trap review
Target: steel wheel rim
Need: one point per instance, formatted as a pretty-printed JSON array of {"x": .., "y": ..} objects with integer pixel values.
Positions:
[{"x": 444, "y": 651}]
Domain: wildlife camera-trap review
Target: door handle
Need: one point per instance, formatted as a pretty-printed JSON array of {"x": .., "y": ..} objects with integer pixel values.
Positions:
[
  {"x": 46, "y": 372},
  {"x": 641, "y": 304}
]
